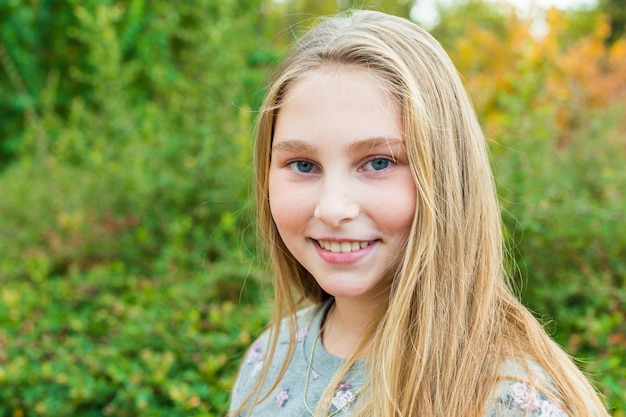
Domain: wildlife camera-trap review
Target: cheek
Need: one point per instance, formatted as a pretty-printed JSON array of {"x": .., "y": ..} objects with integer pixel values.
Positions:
[
  {"x": 288, "y": 204},
  {"x": 401, "y": 201},
  {"x": 408, "y": 213}
]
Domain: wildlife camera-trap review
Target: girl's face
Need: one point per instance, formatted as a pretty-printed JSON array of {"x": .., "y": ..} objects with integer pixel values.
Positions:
[{"x": 341, "y": 191}]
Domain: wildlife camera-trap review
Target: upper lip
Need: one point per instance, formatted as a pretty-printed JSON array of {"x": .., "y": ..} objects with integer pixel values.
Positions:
[{"x": 341, "y": 240}]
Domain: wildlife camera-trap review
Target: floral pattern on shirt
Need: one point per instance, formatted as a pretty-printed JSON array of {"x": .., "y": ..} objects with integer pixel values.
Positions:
[
  {"x": 525, "y": 396},
  {"x": 520, "y": 398},
  {"x": 282, "y": 398},
  {"x": 256, "y": 353},
  {"x": 343, "y": 399},
  {"x": 301, "y": 335},
  {"x": 528, "y": 398},
  {"x": 255, "y": 357}
]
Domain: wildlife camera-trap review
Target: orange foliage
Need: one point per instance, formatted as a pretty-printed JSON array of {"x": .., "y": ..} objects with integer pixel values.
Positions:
[
  {"x": 590, "y": 75},
  {"x": 573, "y": 80}
]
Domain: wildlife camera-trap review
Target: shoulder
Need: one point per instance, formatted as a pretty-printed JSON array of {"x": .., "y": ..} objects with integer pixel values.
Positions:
[
  {"x": 303, "y": 321},
  {"x": 257, "y": 355},
  {"x": 523, "y": 389}
]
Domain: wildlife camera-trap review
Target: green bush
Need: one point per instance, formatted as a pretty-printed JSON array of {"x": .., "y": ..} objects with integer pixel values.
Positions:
[
  {"x": 114, "y": 343},
  {"x": 140, "y": 148},
  {"x": 124, "y": 224}
]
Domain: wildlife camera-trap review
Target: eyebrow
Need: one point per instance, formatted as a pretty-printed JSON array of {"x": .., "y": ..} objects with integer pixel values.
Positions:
[
  {"x": 297, "y": 145},
  {"x": 376, "y": 142},
  {"x": 293, "y": 145}
]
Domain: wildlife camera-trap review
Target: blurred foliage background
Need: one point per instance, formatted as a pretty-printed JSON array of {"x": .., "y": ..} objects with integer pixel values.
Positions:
[{"x": 129, "y": 283}]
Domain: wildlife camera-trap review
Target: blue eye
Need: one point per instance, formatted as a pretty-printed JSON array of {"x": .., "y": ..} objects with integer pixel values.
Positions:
[
  {"x": 378, "y": 164},
  {"x": 302, "y": 166}
]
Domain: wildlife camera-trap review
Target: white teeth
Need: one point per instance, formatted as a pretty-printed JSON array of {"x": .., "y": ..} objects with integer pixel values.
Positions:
[{"x": 343, "y": 247}]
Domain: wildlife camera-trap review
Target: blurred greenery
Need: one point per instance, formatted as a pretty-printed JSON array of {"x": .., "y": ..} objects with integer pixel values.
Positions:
[{"x": 129, "y": 282}]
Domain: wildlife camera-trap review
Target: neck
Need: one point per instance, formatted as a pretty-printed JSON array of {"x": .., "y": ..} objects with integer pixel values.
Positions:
[{"x": 346, "y": 324}]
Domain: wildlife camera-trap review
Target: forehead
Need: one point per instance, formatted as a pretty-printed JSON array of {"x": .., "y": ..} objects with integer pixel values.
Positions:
[
  {"x": 338, "y": 102},
  {"x": 338, "y": 75}
]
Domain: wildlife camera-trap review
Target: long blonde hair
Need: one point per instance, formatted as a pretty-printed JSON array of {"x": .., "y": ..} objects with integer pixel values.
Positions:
[{"x": 450, "y": 313}]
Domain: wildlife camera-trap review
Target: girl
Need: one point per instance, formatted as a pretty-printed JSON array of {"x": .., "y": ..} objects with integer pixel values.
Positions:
[{"x": 377, "y": 206}]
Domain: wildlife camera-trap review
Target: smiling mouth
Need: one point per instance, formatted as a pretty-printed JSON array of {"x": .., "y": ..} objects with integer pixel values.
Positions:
[{"x": 343, "y": 247}]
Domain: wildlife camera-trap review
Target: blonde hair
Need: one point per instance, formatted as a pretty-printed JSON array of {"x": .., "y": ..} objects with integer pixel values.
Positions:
[{"x": 450, "y": 313}]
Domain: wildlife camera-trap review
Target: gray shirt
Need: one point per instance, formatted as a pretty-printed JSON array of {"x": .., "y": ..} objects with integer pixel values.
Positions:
[{"x": 512, "y": 397}]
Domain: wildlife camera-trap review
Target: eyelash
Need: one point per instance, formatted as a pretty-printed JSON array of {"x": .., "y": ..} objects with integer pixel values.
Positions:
[{"x": 389, "y": 160}]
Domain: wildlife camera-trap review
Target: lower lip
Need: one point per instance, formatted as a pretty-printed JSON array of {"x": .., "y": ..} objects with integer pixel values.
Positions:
[{"x": 344, "y": 258}]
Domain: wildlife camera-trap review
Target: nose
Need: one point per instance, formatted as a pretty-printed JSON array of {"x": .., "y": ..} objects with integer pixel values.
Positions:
[{"x": 335, "y": 203}]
